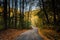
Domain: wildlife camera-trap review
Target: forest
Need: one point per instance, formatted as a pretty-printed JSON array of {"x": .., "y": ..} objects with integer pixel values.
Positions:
[{"x": 19, "y": 16}]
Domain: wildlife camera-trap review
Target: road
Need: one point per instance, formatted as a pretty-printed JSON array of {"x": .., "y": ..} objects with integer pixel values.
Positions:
[{"x": 30, "y": 35}]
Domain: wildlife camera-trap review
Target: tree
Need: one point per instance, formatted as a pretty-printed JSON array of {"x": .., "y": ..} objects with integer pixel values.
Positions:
[
  {"x": 8, "y": 11},
  {"x": 5, "y": 14},
  {"x": 53, "y": 7},
  {"x": 45, "y": 11},
  {"x": 15, "y": 13},
  {"x": 22, "y": 14}
]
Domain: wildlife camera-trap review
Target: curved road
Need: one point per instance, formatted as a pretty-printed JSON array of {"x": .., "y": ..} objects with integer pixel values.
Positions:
[{"x": 30, "y": 35}]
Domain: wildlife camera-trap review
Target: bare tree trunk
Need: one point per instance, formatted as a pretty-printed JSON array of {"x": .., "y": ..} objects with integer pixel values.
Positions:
[
  {"x": 5, "y": 14},
  {"x": 8, "y": 1},
  {"x": 45, "y": 11},
  {"x": 22, "y": 14},
  {"x": 53, "y": 7},
  {"x": 30, "y": 11},
  {"x": 15, "y": 13}
]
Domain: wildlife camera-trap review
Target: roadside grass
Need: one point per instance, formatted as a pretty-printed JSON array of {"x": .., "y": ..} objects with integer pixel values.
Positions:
[
  {"x": 10, "y": 34},
  {"x": 49, "y": 33},
  {"x": 42, "y": 35},
  {"x": 1, "y": 27}
]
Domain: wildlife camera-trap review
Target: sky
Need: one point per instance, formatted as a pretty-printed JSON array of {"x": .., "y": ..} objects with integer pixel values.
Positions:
[{"x": 33, "y": 3}]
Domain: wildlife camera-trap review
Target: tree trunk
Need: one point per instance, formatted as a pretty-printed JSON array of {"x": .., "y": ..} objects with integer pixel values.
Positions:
[
  {"x": 15, "y": 13},
  {"x": 8, "y": 2},
  {"x": 5, "y": 14},
  {"x": 45, "y": 11},
  {"x": 53, "y": 7},
  {"x": 22, "y": 15}
]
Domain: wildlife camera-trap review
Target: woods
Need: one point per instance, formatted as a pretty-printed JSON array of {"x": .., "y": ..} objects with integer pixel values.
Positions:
[
  {"x": 22, "y": 14},
  {"x": 12, "y": 15},
  {"x": 50, "y": 9}
]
